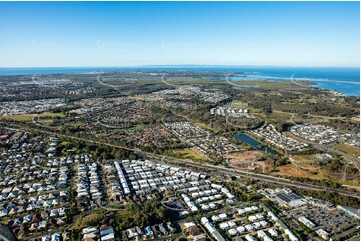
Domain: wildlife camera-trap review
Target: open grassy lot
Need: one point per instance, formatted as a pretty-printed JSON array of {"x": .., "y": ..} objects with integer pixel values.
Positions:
[
  {"x": 46, "y": 122},
  {"x": 205, "y": 126},
  {"x": 76, "y": 124},
  {"x": 189, "y": 154},
  {"x": 239, "y": 104},
  {"x": 87, "y": 220},
  {"x": 64, "y": 143},
  {"x": 291, "y": 170},
  {"x": 141, "y": 98},
  {"x": 191, "y": 80},
  {"x": 308, "y": 162},
  {"x": 202, "y": 125},
  {"x": 271, "y": 84},
  {"x": 48, "y": 114},
  {"x": 29, "y": 117},
  {"x": 20, "y": 117},
  {"x": 305, "y": 158},
  {"x": 348, "y": 149}
]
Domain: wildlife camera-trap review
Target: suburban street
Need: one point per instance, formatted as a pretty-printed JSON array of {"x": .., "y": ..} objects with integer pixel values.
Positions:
[{"x": 223, "y": 170}]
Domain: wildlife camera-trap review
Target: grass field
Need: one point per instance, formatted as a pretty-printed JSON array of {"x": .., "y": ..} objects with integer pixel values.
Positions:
[
  {"x": 65, "y": 143},
  {"x": 29, "y": 117},
  {"x": 189, "y": 154},
  {"x": 202, "y": 125},
  {"x": 307, "y": 159},
  {"x": 307, "y": 166},
  {"x": 239, "y": 104},
  {"x": 270, "y": 84},
  {"x": 75, "y": 124},
  {"x": 191, "y": 80},
  {"x": 298, "y": 171},
  {"x": 141, "y": 98},
  {"x": 46, "y": 122},
  {"x": 348, "y": 149},
  {"x": 21, "y": 117},
  {"x": 205, "y": 126}
]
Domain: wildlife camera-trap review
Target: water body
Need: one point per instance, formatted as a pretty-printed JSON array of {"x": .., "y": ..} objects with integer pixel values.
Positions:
[
  {"x": 345, "y": 80},
  {"x": 254, "y": 143},
  {"x": 342, "y": 79}
]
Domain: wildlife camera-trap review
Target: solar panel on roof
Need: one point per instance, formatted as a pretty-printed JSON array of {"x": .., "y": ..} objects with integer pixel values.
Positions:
[{"x": 287, "y": 197}]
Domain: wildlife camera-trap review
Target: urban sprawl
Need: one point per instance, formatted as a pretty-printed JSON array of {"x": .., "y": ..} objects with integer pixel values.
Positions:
[{"x": 188, "y": 157}]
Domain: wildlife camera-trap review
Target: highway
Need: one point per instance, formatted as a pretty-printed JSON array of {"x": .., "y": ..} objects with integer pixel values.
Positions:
[
  {"x": 220, "y": 169},
  {"x": 256, "y": 176}
]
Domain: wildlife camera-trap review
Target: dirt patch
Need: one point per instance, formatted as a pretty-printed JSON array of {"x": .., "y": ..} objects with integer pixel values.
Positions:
[
  {"x": 307, "y": 162},
  {"x": 250, "y": 160},
  {"x": 311, "y": 159},
  {"x": 339, "y": 176},
  {"x": 290, "y": 170},
  {"x": 306, "y": 166},
  {"x": 239, "y": 158},
  {"x": 348, "y": 149}
]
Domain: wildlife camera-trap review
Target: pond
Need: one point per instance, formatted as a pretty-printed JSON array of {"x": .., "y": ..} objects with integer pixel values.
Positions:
[{"x": 254, "y": 143}]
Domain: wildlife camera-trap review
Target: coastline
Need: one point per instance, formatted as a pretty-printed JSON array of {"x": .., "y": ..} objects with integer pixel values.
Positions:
[{"x": 340, "y": 81}]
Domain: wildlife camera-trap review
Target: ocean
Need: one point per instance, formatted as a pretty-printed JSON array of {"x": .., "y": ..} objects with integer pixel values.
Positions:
[{"x": 345, "y": 80}]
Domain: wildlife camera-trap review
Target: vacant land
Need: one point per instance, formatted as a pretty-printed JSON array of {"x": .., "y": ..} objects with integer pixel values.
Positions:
[
  {"x": 188, "y": 154},
  {"x": 29, "y": 117},
  {"x": 308, "y": 162},
  {"x": 47, "y": 122},
  {"x": 348, "y": 149},
  {"x": 250, "y": 160},
  {"x": 272, "y": 84},
  {"x": 239, "y": 158},
  {"x": 204, "y": 126},
  {"x": 239, "y": 104},
  {"x": 293, "y": 171},
  {"x": 76, "y": 124}
]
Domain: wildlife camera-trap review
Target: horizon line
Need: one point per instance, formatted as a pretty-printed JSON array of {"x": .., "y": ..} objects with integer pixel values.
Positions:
[{"x": 177, "y": 65}]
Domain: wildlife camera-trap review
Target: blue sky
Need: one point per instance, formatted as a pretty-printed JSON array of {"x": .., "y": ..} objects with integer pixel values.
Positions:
[{"x": 51, "y": 34}]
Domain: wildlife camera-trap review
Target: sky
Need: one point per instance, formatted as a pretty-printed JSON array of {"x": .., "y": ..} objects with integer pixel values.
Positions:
[{"x": 66, "y": 34}]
